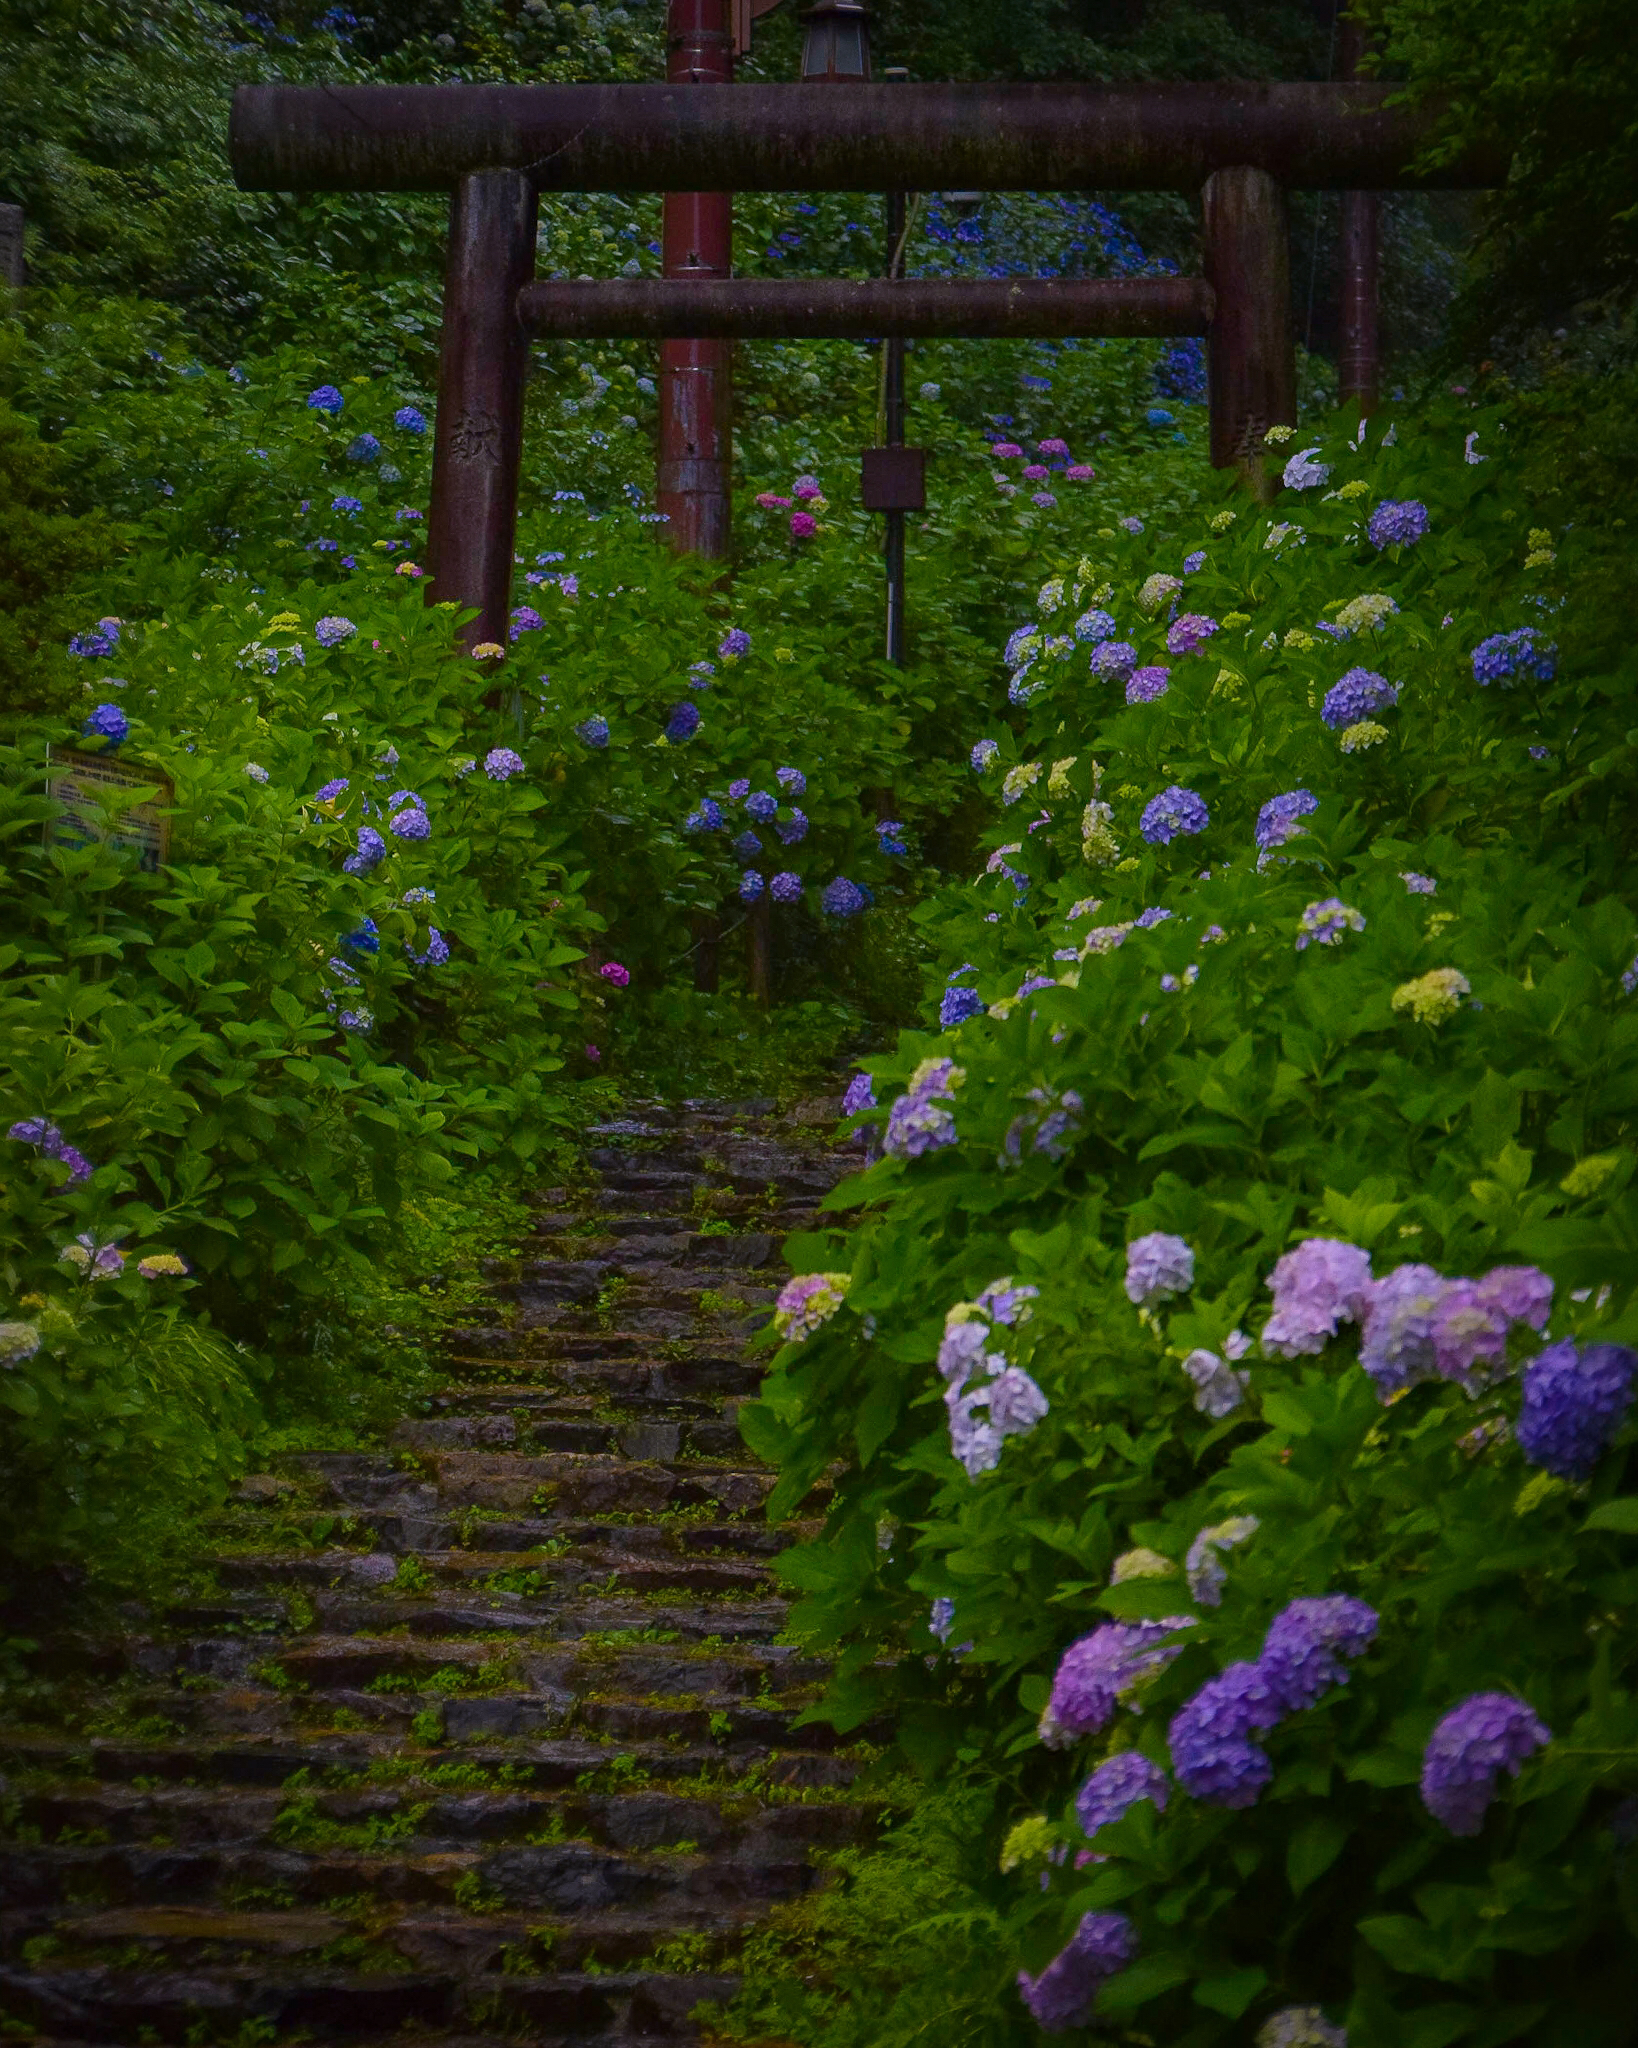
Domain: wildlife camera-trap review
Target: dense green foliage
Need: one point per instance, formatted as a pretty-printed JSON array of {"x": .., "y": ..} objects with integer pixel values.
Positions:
[{"x": 1206, "y": 1077}]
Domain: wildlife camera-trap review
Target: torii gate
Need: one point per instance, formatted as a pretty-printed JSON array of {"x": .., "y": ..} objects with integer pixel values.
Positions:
[{"x": 494, "y": 148}]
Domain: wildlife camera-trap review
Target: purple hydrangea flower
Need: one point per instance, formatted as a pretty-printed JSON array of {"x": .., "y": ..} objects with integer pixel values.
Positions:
[
  {"x": 525, "y": 619},
  {"x": 1146, "y": 684},
  {"x": 593, "y": 732},
  {"x": 1278, "y": 820},
  {"x": 1515, "y": 653},
  {"x": 762, "y": 807},
  {"x": 1158, "y": 1264},
  {"x": 500, "y": 763},
  {"x": 1355, "y": 696},
  {"x": 1173, "y": 812},
  {"x": 1302, "y": 1652},
  {"x": 1114, "y": 659},
  {"x": 1213, "y": 1757},
  {"x": 325, "y": 399},
  {"x": 706, "y": 817},
  {"x": 1397, "y": 523},
  {"x": 1218, "y": 1388},
  {"x": 750, "y": 886},
  {"x": 860, "y": 1095},
  {"x": 917, "y": 1124},
  {"x": 1190, "y": 631},
  {"x": 1323, "y": 1282},
  {"x": 1146, "y": 920},
  {"x": 1418, "y": 885},
  {"x": 739, "y": 790},
  {"x": 683, "y": 723},
  {"x": 1095, "y": 625},
  {"x": 51, "y": 1143},
  {"x": 108, "y": 723},
  {"x": 1397, "y": 1348},
  {"x": 358, "y": 1022},
  {"x": 793, "y": 830},
  {"x": 437, "y": 951},
  {"x": 372, "y": 850},
  {"x": 842, "y": 898},
  {"x": 1193, "y": 564},
  {"x": 958, "y": 1005},
  {"x": 1116, "y": 1786},
  {"x": 410, "y": 823},
  {"x": 786, "y": 887},
  {"x": 1324, "y": 923},
  {"x": 1096, "y": 1669},
  {"x": 735, "y": 641},
  {"x": 346, "y": 504},
  {"x": 792, "y": 781},
  {"x": 1062, "y": 1996},
  {"x": 1574, "y": 1402},
  {"x": 1524, "y": 1294},
  {"x": 409, "y": 420},
  {"x": 329, "y": 632},
  {"x": 1489, "y": 1733}
]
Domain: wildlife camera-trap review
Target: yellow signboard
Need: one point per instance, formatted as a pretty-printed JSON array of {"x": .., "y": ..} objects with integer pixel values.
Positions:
[{"x": 81, "y": 782}]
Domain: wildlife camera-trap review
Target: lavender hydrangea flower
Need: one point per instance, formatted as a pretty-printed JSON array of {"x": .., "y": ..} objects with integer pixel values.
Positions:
[
  {"x": 1114, "y": 660},
  {"x": 750, "y": 886},
  {"x": 1303, "y": 473},
  {"x": 1063, "y": 1995},
  {"x": 1097, "y": 1668},
  {"x": 1418, "y": 885},
  {"x": 916, "y": 1123},
  {"x": 793, "y": 830},
  {"x": 1397, "y": 1348},
  {"x": 941, "y": 1618},
  {"x": 51, "y": 1144},
  {"x": 705, "y": 817},
  {"x": 1517, "y": 653},
  {"x": 1490, "y": 1732},
  {"x": 1213, "y": 1757},
  {"x": 1157, "y": 1264},
  {"x": 808, "y": 1302},
  {"x": 1325, "y": 922},
  {"x": 1189, "y": 632},
  {"x": 332, "y": 630},
  {"x": 1173, "y": 812},
  {"x": 860, "y": 1095},
  {"x": 1300, "y": 2026},
  {"x": 409, "y": 420},
  {"x": 107, "y": 722},
  {"x": 958, "y": 1005},
  {"x": 1306, "y": 1642},
  {"x": 1279, "y": 820},
  {"x": 1574, "y": 1402},
  {"x": 1325, "y": 1281},
  {"x": 437, "y": 949},
  {"x": 1218, "y": 1388},
  {"x": 409, "y": 823},
  {"x": 1095, "y": 625},
  {"x": 525, "y": 619},
  {"x": 1116, "y": 1786},
  {"x": 683, "y": 723},
  {"x": 1203, "y": 1566},
  {"x": 1523, "y": 1294},
  {"x": 371, "y": 852},
  {"x": 1146, "y": 684},
  {"x": 762, "y": 807},
  {"x": 842, "y": 898},
  {"x": 500, "y": 763},
  {"x": 735, "y": 642},
  {"x": 593, "y": 732},
  {"x": 325, "y": 399},
  {"x": 786, "y": 887},
  {"x": 792, "y": 781},
  {"x": 1359, "y": 693},
  {"x": 1397, "y": 523},
  {"x": 1193, "y": 564}
]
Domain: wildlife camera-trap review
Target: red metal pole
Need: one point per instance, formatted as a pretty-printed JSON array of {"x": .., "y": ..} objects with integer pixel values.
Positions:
[
  {"x": 1251, "y": 355},
  {"x": 1359, "y": 351},
  {"x": 477, "y": 441},
  {"x": 696, "y": 377}
]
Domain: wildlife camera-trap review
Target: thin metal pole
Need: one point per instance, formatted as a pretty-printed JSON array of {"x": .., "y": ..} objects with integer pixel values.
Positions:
[
  {"x": 696, "y": 376},
  {"x": 893, "y": 424},
  {"x": 1359, "y": 349},
  {"x": 1251, "y": 353},
  {"x": 478, "y": 437}
]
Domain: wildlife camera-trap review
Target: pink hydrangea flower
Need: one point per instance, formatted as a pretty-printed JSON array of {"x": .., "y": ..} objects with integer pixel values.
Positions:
[
  {"x": 803, "y": 526},
  {"x": 614, "y": 973}
]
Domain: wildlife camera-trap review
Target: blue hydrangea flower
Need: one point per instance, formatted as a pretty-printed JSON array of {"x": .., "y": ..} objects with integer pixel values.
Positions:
[
  {"x": 794, "y": 829},
  {"x": 762, "y": 807},
  {"x": 1356, "y": 696},
  {"x": 1574, "y": 1402},
  {"x": 786, "y": 887},
  {"x": 331, "y": 631},
  {"x": 1280, "y": 819},
  {"x": 1095, "y": 626},
  {"x": 593, "y": 732},
  {"x": 889, "y": 839},
  {"x": 437, "y": 949},
  {"x": 1114, "y": 660},
  {"x": 500, "y": 764},
  {"x": 1516, "y": 653},
  {"x": 792, "y": 781},
  {"x": 750, "y": 886},
  {"x": 363, "y": 448},
  {"x": 410, "y": 420},
  {"x": 372, "y": 850},
  {"x": 747, "y": 846},
  {"x": 707, "y": 817},
  {"x": 346, "y": 504},
  {"x": 842, "y": 898},
  {"x": 358, "y": 1022},
  {"x": 1063, "y": 1995},
  {"x": 367, "y": 939},
  {"x": 683, "y": 723},
  {"x": 860, "y": 1095},
  {"x": 1193, "y": 564},
  {"x": 1306, "y": 1642},
  {"x": 1490, "y": 1732},
  {"x": 1325, "y": 922},
  {"x": 1397, "y": 523},
  {"x": 325, "y": 399},
  {"x": 1116, "y": 1786},
  {"x": 983, "y": 754},
  {"x": 1158, "y": 416},
  {"x": 958, "y": 1005},
  {"x": 108, "y": 723},
  {"x": 735, "y": 642},
  {"x": 404, "y": 796},
  {"x": 1173, "y": 812},
  {"x": 1213, "y": 1756},
  {"x": 410, "y": 823}
]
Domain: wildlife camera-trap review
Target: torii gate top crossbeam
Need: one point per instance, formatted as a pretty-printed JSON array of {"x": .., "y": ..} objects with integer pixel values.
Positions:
[{"x": 775, "y": 138}]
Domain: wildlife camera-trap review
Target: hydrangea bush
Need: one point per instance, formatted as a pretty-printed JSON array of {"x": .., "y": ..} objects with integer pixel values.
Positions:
[{"x": 1320, "y": 1526}]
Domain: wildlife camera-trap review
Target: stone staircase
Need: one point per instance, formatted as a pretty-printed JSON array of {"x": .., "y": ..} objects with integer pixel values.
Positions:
[{"x": 485, "y": 1737}]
